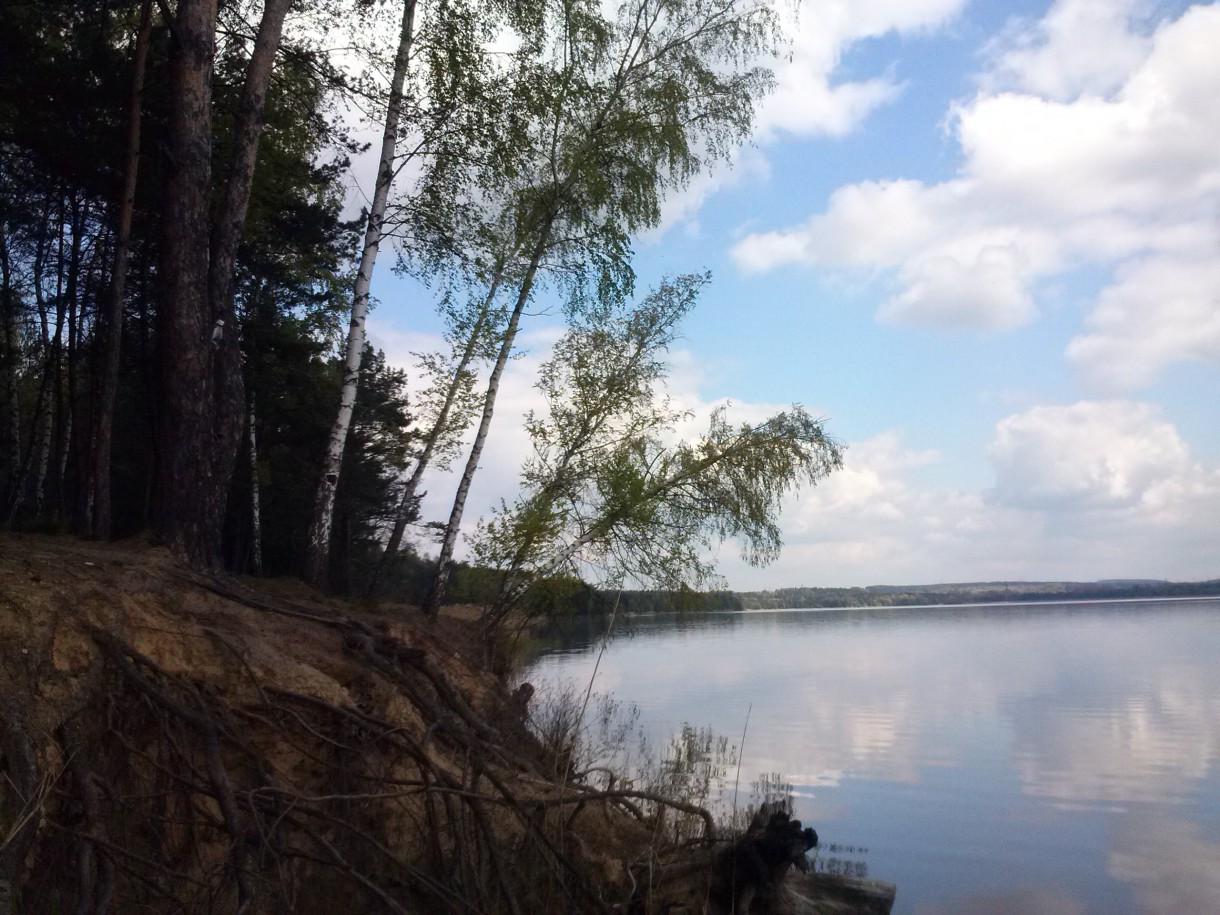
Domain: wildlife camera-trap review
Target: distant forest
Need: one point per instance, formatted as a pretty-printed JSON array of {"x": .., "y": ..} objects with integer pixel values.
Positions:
[{"x": 588, "y": 601}]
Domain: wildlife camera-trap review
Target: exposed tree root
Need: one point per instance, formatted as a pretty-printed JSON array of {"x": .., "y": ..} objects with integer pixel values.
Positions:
[{"x": 169, "y": 788}]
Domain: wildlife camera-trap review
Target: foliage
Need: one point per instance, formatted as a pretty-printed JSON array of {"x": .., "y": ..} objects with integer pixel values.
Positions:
[
  {"x": 539, "y": 161},
  {"x": 609, "y": 486}
]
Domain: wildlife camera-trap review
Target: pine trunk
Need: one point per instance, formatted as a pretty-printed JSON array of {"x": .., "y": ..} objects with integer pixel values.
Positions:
[
  {"x": 204, "y": 403},
  {"x": 99, "y": 507}
]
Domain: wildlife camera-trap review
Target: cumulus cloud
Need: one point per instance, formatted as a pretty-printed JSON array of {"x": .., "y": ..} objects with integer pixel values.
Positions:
[
  {"x": 1160, "y": 310},
  {"x": 988, "y": 291},
  {"x": 1095, "y": 489},
  {"x": 1094, "y": 455},
  {"x": 808, "y": 101},
  {"x": 873, "y": 515},
  {"x": 1082, "y": 491},
  {"x": 1109, "y": 163},
  {"x": 1115, "y": 486},
  {"x": 1047, "y": 57}
]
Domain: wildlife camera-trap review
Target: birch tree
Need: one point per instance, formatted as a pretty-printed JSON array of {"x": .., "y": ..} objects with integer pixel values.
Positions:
[
  {"x": 318, "y": 550},
  {"x": 447, "y": 404},
  {"x": 632, "y": 107},
  {"x": 611, "y": 487},
  {"x": 447, "y": 116}
]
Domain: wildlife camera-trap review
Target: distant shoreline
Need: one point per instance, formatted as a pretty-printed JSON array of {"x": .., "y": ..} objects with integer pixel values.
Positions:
[
  {"x": 981, "y": 603},
  {"x": 974, "y": 593}
]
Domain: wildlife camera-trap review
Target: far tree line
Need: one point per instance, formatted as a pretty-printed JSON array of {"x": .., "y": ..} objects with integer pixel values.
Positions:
[
  {"x": 570, "y": 599},
  {"x": 183, "y": 347}
]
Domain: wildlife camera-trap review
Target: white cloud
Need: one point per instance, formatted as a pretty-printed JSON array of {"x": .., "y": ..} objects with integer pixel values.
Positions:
[
  {"x": 1160, "y": 310},
  {"x": 1049, "y": 58},
  {"x": 1089, "y": 490},
  {"x": 1088, "y": 455},
  {"x": 1082, "y": 491},
  {"x": 989, "y": 291},
  {"x": 807, "y": 104},
  {"x": 1049, "y": 182},
  {"x": 807, "y": 100}
]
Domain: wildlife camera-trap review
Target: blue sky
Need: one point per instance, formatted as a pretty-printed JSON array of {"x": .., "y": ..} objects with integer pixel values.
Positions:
[{"x": 981, "y": 240}]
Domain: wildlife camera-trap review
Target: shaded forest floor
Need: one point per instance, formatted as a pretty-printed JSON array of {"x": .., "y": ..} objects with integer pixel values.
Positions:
[{"x": 172, "y": 742}]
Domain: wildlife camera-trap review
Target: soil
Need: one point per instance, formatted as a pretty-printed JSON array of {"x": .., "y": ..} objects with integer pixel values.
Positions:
[{"x": 178, "y": 742}]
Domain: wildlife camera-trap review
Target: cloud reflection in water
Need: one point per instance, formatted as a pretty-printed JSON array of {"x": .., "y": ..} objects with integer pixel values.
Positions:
[{"x": 989, "y": 726}]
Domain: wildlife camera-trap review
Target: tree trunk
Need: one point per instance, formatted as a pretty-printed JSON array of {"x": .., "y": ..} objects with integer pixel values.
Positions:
[
  {"x": 203, "y": 403},
  {"x": 12, "y": 352},
  {"x": 53, "y": 385},
  {"x": 185, "y": 486},
  {"x": 44, "y": 455},
  {"x": 407, "y": 505},
  {"x": 318, "y": 549},
  {"x": 42, "y": 405},
  {"x": 444, "y": 565},
  {"x": 256, "y": 525},
  {"x": 98, "y": 508},
  {"x": 65, "y": 379}
]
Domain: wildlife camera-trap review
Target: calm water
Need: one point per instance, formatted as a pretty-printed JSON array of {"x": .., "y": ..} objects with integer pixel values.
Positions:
[{"x": 1050, "y": 760}]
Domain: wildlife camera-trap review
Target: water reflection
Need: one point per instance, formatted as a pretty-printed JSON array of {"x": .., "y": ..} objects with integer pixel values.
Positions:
[
  {"x": 1174, "y": 870},
  {"x": 1018, "y": 902},
  {"x": 969, "y": 733}
]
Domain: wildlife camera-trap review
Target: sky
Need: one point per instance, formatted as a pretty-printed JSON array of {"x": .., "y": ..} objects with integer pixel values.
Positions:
[{"x": 982, "y": 241}]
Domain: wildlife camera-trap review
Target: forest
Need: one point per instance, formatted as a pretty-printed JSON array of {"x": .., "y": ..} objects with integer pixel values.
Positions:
[{"x": 184, "y": 286}]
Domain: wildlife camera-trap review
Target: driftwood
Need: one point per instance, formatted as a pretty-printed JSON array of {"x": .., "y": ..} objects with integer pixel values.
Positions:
[{"x": 748, "y": 875}]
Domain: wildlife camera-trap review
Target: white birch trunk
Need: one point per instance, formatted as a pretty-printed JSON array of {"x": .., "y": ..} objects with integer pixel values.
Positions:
[
  {"x": 407, "y": 502},
  {"x": 318, "y": 555},
  {"x": 12, "y": 349},
  {"x": 62, "y": 469},
  {"x": 44, "y": 456},
  {"x": 14, "y": 417},
  {"x": 436, "y": 594}
]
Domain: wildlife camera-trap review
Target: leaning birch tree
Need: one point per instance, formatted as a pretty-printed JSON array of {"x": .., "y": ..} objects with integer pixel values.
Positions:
[
  {"x": 448, "y": 402},
  {"x": 631, "y": 107},
  {"x": 447, "y": 113},
  {"x": 610, "y": 484}
]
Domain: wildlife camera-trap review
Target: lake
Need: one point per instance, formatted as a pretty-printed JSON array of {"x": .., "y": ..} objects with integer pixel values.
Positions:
[{"x": 1049, "y": 759}]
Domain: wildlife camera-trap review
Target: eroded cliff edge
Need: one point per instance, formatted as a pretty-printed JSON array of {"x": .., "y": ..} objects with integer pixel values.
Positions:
[{"x": 177, "y": 742}]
